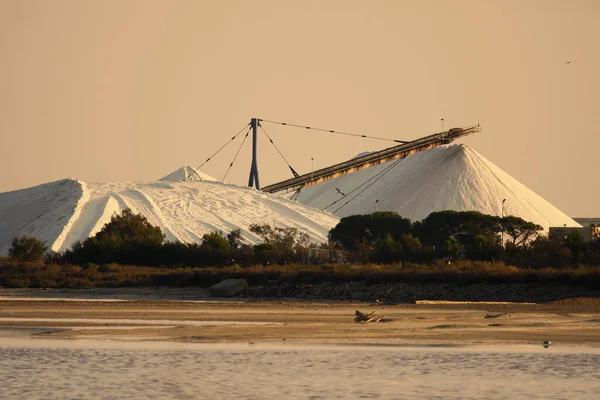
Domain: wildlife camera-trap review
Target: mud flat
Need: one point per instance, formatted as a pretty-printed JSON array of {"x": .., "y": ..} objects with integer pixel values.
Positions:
[{"x": 186, "y": 315}]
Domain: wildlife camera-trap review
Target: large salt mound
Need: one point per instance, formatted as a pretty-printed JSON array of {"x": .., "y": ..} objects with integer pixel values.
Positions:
[
  {"x": 187, "y": 173},
  {"x": 60, "y": 213},
  {"x": 444, "y": 178},
  {"x": 42, "y": 211}
]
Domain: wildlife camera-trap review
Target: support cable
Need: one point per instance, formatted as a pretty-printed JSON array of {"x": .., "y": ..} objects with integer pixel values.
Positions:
[
  {"x": 296, "y": 194},
  {"x": 332, "y": 131},
  {"x": 276, "y": 148},
  {"x": 236, "y": 154},
  {"x": 368, "y": 186},
  {"x": 222, "y": 147},
  {"x": 344, "y": 195},
  {"x": 378, "y": 177}
]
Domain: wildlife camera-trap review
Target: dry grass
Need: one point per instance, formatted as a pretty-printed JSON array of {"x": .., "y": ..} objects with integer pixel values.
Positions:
[{"x": 21, "y": 274}]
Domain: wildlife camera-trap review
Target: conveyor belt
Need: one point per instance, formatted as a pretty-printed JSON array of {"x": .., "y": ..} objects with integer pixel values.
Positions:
[{"x": 371, "y": 159}]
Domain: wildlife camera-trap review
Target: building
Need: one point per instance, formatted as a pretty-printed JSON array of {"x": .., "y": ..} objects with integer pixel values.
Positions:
[
  {"x": 588, "y": 233},
  {"x": 588, "y": 221}
]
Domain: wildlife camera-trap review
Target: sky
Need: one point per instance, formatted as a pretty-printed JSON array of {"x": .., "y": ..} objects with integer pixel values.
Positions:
[{"x": 131, "y": 90}]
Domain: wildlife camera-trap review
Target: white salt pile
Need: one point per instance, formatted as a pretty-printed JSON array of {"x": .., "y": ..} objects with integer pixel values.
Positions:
[
  {"x": 444, "y": 178},
  {"x": 187, "y": 173},
  {"x": 60, "y": 213}
]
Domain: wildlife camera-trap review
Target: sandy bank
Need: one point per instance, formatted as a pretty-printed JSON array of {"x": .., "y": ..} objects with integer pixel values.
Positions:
[{"x": 164, "y": 315}]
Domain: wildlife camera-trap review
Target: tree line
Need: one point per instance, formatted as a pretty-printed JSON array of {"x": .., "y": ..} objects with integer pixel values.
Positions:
[
  {"x": 385, "y": 237},
  {"x": 381, "y": 237}
]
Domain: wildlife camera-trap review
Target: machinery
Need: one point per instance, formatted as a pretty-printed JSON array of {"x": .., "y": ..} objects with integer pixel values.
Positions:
[{"x": 371, "y": 159}]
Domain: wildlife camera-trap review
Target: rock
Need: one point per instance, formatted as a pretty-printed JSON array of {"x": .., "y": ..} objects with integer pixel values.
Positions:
[{"x": 229, "y": 288}]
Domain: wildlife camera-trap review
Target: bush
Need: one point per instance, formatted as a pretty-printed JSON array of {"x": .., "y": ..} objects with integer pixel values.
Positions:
[
  {"x": 27, "y": 248},
  {"x": 215, "y": 248},
  {"x": 127, "y": 239},
  {"x": 353, "y": 231},
  {"x": 280, "y": 245}
]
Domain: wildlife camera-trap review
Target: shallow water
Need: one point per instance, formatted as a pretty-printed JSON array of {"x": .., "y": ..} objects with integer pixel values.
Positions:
[
  {"x": 48, "y": 369},
  {"x": 135, "y": 322}
]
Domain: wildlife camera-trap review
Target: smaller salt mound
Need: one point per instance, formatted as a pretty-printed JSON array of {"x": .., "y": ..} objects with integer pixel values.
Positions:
[
  {"x": 42, "y": 212},
  {"x": 64, "y": 212},
  {"x": 187, "y": 173}
]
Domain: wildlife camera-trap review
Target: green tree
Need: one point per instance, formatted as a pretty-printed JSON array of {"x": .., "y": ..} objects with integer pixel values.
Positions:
[
  {"x": 357, "y": 230},
  {"x": 130, "y": 229},
  {"x": 280, "y": 244},
  {"x": 265, "y": 232},
  {"x": 386, "y": 250},
  {"x": 519, "y": 230},
  {"x": 215, "y": 249},
  {"x": 27, "y": 248},
  {"x": 453, "y": 248},
  {"x": 411, "y": 246},
  {"x": 215, "y": 242},
  {"x": 464, "y": 226},
  {"x": 235, "y": 239},
  {"x": 127, "y": 239}
]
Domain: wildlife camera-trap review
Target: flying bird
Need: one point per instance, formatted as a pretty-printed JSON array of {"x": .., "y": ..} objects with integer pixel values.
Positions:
[
  {"x": 340, "y": 192},
  {"x": 568, "y": 62}
]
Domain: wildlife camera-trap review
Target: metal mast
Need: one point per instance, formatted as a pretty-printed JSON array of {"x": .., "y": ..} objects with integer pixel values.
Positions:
[{"x": 253, "y": 179}]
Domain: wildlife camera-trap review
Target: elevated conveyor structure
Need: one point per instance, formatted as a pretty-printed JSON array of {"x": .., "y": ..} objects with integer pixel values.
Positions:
[{"x": 369, "y": 160}]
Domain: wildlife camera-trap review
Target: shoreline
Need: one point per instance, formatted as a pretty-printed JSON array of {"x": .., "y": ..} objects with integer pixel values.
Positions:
[
  {"x": 56, "y": 343},
  {"x": 409, "y": 293},
  {"x": 183, "y": 315},
  {"x": 390, "y": 293}
]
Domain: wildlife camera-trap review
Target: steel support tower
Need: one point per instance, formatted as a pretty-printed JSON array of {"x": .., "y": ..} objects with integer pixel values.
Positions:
[{"x": 253, "y": 179}]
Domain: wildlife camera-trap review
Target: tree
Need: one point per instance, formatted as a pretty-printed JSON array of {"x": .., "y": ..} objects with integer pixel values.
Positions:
[
  {"x": 483, "y": 247},
  {"x": 131, "y": 229},
  {"x": 405, "y": 248},
  {"x": 280, "y": 244},
  {"x": 215, "y": 248},
  {"x": 453, "y": 248},
  {"x": 235, "y": 239},
  {"x": 215, "y": 242},
  {"x": 283, "y": 239},
  {"x": 519, "y": 230},
  {"x": 386, "y": 250},
  {"x": 27, "y": 248},
  {"x": 411, "y": 247},
  {"x": 357, "y": 230},
  {"x": 464, "y": 226},
  {"x": 127, "y": 239},
  {"x": 546, "y": 252},
  {"x": 266, "y": 233},
  {"x": 577, "y": 245}
]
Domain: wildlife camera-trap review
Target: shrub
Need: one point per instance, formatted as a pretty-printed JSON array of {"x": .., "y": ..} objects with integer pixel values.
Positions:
[
  {"x": 27, "y": 248},
  {"x": 281, "y": 245},
  {"x": 127, "y": 239},
  {"x": 215, "y": 248},
  {"x": 351, "y": 231}
]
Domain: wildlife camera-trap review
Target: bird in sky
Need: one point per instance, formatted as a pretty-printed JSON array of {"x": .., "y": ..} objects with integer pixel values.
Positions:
[
  {"x": 568, "y": 62},
  {"x": 340, "y": 192}
]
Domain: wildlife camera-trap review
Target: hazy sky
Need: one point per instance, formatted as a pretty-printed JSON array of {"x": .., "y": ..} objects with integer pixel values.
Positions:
[{"x": 132, "y": 90}]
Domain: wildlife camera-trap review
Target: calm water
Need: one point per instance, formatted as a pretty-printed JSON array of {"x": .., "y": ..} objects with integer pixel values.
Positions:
[{"x": 44, "y": 369}]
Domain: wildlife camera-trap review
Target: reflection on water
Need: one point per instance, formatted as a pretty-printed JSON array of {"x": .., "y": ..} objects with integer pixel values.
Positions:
[{"x": 35, "y": 369}]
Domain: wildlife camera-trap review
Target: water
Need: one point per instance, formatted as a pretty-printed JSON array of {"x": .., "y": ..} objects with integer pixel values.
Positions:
[
  {"x": 52, "y": 369},
  {"x": 136, "y": 322}
]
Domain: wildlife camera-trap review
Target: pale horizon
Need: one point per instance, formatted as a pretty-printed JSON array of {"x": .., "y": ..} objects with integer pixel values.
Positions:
[{"x": 133, "y": 90}]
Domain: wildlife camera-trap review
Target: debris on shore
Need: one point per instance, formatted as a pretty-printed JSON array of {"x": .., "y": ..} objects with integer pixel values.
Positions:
[{"x": 366, "y": 318}]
